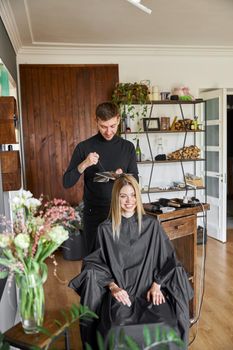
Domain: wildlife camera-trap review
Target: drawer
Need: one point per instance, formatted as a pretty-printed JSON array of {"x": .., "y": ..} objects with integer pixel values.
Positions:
[{"x": 180, "y": 227}]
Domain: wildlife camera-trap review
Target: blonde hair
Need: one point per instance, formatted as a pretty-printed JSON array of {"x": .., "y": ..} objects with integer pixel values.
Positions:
[{"x": 115, "y": 209}]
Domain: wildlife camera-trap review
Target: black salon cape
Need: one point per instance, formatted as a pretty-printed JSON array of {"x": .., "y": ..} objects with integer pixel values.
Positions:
[{"x": 133, "y": 262}]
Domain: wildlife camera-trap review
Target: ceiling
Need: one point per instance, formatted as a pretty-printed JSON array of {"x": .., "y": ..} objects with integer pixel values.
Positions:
[{"x": 118, "y": 23}]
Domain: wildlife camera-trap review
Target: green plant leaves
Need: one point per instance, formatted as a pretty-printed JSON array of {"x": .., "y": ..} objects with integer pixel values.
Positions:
[
  {"x": 3, "y": 274},
  {"x": 147, "y": 335}
]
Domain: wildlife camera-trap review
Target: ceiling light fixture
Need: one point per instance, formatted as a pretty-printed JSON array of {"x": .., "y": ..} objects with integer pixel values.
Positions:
[{"x": 138, "y": 4}]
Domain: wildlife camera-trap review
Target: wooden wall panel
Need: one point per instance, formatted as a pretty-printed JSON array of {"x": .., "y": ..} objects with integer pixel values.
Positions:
[{"x": 58, "y": 111}]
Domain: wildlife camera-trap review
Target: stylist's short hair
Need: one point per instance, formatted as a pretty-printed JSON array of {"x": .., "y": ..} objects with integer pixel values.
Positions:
[{"x": 106, "y": 111}]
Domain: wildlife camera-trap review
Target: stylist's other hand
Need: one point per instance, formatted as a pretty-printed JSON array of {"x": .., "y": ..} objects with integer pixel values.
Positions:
[
  {"x": 120, "y": 294},
  {"x": 119, "y": 171},
  {"x": 92, "y": 159},
  {"x": 155, "y": 295}
]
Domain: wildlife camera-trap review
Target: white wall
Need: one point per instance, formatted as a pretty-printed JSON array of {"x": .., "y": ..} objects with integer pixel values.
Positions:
[{"x": 193, "y": 67}]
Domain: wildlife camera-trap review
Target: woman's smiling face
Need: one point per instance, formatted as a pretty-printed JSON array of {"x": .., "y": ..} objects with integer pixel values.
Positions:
[{"x": 127, "y": 199}]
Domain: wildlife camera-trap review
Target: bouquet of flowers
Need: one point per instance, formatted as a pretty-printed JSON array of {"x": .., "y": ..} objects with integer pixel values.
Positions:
[
  {"x": 56, "y": 210},
  {"x": 36, "y": 232}
]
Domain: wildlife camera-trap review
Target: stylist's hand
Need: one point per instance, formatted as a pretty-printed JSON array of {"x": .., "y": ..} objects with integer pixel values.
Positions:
[
  {"x": 120, "y": 294},
  {"x": 155, "y": 295},
  {"x": 92, "y": 159},
  {"x": 119, "y": 171}
]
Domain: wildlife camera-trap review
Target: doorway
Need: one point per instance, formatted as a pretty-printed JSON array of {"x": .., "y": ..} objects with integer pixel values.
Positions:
[{"x": 229, "y": 168}]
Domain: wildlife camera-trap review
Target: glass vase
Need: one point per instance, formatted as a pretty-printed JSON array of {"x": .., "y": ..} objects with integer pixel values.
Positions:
[{"x": 31, "y": 301}]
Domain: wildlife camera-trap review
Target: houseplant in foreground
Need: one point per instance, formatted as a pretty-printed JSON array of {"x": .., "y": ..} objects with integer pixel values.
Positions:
[
  {"x": 74, "y": 248},
  {"x": 33, "y": 236}
]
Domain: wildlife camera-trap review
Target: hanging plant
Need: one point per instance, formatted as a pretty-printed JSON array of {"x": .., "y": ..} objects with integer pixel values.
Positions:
[
  {"x": 130, "y": 93},
  {"x": 127, "y": 95}
]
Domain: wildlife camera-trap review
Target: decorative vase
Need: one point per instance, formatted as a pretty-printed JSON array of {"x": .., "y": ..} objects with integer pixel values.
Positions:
[
  {"x": 74, "y": 248},
  {"x": 31, "y": 300}
]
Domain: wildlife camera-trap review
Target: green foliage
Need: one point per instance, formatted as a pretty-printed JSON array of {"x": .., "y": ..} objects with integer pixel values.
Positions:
[
  {"x": 3, "y": 345},
  {"x": 3, "y": 273},
  {"x": 127, "y": 96},
  {"x": 100, "y": 341},
  {"x": 160, "y": 336},
  {"x": 76, "y": 312},
  {"x": 130, "y": 93},
  {"x": 147, "y": 335}
]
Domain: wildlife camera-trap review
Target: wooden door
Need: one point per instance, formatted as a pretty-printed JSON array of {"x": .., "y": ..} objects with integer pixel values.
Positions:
[{"x": 58, "y": 111}]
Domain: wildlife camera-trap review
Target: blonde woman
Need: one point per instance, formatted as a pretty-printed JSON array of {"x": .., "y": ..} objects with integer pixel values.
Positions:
[{"x": 133, "y": 276}]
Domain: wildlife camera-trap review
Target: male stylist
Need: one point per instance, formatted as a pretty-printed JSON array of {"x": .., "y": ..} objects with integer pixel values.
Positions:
[{"x": 104, "y": 151}]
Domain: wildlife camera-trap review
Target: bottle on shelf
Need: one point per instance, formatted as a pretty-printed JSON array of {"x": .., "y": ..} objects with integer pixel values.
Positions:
[
  {"x": 127, "y": 123},
  {"x": 194, "y": 124},
  {"x": 160, "y": 146},
  {"x": 138, "y": 152}
]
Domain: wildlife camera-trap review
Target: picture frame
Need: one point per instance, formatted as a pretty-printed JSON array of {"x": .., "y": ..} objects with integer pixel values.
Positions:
[{"x": 151, "y": 124}]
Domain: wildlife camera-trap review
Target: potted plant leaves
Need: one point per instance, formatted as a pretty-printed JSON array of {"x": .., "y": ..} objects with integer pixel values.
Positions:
[
  {"x": 74, "y": 248},
  {"x": 126, "y": 96},
  {"x": 54, "y": 210},
  {"x": 130, "y": 93}
]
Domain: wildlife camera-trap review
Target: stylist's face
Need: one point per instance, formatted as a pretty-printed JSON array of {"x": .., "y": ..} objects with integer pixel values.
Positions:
[
  {"x": 127, "y": 199},
  {"x": 108, "y": 128}
]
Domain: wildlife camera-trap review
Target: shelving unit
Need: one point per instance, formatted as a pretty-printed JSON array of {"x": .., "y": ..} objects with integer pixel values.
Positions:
[{"x": 149, "y": 133}]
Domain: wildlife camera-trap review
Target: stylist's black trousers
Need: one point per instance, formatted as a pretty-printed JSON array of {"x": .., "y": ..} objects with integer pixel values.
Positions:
[{"x": 93, "y": 216}]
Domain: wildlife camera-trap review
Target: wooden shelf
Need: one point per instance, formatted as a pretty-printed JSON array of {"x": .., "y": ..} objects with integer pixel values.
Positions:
[
  {"x": 161, "y": 132},
  {"x": 170, "y": 102},
  {"x": 175, "y": 102},
  {"x": 154, "y": 190},
  {"x": 171, "y": 161}
]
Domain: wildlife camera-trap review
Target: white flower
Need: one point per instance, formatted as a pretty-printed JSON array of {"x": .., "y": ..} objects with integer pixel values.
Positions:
[
  {"x": 16, "y": 203},
  {"x": 24, "y": 199},
  {"x": 32, "y": 203},
  {"x": 26, "y": 194},
  {"x": 4, "y": 240},
  {"x": 22, "y": 240},
  {"x": 58, "y": 234}
]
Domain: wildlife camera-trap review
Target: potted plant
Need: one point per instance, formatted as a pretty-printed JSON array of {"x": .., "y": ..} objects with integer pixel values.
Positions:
[
  {"x": 130, "y": 93},
  {"x": 25, "y": 243},
  {"x": 126, "y": 95},
  {"x": 74, "y": 248}
]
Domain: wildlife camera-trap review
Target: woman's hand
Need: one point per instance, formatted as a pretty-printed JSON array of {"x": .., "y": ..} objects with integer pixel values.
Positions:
[
  {"x": 119, "y": 294},
  {"x": 155, "y": 295}
]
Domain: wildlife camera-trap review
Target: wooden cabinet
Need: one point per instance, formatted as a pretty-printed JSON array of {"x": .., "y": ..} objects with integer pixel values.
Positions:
[
  {"x": 183, "y": 234},
  {"x": 9, "y": 160},
  {"x": 7, "y": 119},
  {"x": 11, "y": 170}
]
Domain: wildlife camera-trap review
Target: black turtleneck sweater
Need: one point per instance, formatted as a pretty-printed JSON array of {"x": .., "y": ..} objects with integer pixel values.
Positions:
[{"x": 114, "y": 154}]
